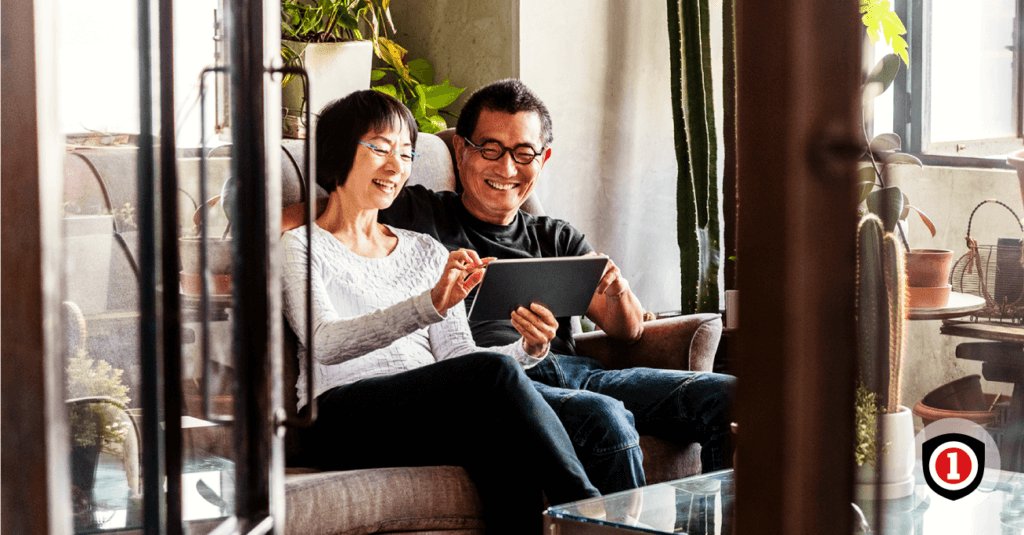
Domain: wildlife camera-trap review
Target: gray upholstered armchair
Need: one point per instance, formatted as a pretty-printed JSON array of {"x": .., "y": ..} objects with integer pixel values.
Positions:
[{"x": 442, "y": 499}]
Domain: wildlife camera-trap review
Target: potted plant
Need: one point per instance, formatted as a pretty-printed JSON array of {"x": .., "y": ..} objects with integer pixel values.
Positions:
[
  {"x": 413, "y": 84},
  {"x": 97, "y": 400},
  {"x": 927, "y": 269},
  {"x": 323, "y": 36},
  {"x": 218, "y": 246},
  {"x": 884, "y": 452}
]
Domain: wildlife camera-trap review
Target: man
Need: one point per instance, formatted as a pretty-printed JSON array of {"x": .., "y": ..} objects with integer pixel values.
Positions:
[{"x": 503, "y": 139}]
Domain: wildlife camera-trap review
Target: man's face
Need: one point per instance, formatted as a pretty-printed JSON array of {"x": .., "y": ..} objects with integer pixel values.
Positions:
[{"x": 495, "y": 189}]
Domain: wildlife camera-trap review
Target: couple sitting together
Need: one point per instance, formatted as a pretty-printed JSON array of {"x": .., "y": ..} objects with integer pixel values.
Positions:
[{"x": 402, "y": 379}]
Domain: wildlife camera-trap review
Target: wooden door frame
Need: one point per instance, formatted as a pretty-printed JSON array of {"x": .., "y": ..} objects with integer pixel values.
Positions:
[
  {"x": 36, "y": 497},
  {"x": 798, "y": 81}
]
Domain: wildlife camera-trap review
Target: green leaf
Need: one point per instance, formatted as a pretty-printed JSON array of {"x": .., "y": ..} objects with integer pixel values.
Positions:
[
  {"x": 900, "y": 158},
  {"x": 377, "y": 74},
  {"x": 422, "y": 71},
  {"x": 418, "y": 105},
  {"x": 866, "y": 179},
  {"x": 885, "y": 142},
  {"x": 899, "y": 46},
  {"x": 887, "y": 204},
  {"x": 431, "y": 124},
  {"x": 881, "y": 76},
  {"x": 387, "y": 89},
  {"x": 439, "y": 96}
]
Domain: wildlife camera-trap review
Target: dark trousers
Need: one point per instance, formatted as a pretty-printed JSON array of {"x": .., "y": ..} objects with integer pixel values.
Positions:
[
  {"x": 606, "y": 411},
  {"x": 479, "y": 411}
]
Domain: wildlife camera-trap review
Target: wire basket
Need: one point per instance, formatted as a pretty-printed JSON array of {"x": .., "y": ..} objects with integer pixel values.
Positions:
[{"x": 994, "y": 273}]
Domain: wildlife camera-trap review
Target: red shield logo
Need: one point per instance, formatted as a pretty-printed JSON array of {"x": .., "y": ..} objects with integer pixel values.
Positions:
[{"x": 953, "y": 464}]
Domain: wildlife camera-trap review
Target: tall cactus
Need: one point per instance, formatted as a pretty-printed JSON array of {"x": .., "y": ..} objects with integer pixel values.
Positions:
[{"x": 881, "y": 313}]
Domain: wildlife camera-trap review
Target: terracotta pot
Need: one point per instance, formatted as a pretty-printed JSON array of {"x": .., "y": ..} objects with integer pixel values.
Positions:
[
  {"x": 928, "y": 268},
  {"x": 930, "y": 414},
  {"x": 190, "y": 284},
  {"x": 927, "y": 297}
]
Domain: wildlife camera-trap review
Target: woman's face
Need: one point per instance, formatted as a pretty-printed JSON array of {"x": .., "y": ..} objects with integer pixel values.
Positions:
[{"x": 376, "y": 179}]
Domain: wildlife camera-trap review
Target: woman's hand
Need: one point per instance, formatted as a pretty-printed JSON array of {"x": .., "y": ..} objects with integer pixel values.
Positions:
[
  {"x": 537, "y": 325},
  {"x": 463, "y": 271}
]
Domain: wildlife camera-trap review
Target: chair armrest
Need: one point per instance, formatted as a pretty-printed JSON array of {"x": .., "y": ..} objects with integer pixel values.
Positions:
[{"x": 682, "y": 343}]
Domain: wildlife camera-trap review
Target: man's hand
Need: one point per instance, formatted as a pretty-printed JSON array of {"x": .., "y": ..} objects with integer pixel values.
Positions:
[
  {"x": 537, "y": 325},
  {"x": 463, "y": 271},
  {"x": 612, "y": 284},
  {"x": 614, "y": 307}
]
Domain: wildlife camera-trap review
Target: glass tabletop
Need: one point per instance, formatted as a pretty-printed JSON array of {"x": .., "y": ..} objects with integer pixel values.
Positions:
[
  {"x": 704, "y": 505},
  {"x": 207, "y": 485}
]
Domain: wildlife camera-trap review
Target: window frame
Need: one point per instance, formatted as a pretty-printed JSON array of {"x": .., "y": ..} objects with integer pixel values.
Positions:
[{"x": 914, "y": 128}]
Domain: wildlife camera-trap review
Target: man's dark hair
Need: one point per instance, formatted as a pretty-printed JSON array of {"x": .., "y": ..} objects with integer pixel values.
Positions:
[
  {"x": 510, "y": 96},
  {"x": 344, "y": 122}
]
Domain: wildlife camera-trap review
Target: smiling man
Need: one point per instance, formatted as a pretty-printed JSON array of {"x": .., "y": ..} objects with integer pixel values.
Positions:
[{"x": 502, "y": 142}]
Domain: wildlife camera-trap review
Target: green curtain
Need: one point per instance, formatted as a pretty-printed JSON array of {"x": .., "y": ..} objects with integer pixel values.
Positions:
[{"x": 693, "y": 117}]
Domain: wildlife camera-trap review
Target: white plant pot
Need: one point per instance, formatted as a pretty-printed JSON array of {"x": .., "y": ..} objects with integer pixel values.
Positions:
[
  {"x": 897, "y": 460},
  {"x": 335, "y": 70},
  {"x": 87, "y": 247}
]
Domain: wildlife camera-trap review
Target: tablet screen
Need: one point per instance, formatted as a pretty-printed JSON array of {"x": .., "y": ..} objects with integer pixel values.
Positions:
[{"x": 564, "y": 285}]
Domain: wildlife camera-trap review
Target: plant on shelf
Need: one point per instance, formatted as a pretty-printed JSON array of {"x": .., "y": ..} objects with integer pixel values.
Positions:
[
  {"x": 330, "y": 21},
  {"x": 413, "y": 84}
]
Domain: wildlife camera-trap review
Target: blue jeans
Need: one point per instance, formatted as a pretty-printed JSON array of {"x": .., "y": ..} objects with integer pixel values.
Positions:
[
  {"x": 479, "y": 411},
  {"x": 606, "y": 411}
]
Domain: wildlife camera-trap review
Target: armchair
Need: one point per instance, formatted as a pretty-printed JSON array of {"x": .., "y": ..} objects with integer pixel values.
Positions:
[{"x": 442, "y": 498}]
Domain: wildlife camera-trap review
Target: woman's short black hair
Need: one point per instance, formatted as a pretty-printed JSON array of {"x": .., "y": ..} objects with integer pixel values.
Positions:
[{"x": 344, "y": 122}]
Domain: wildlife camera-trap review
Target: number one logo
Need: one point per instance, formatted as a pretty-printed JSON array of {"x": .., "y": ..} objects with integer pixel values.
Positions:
[
  {"x": 953, "y": 476},
  {"x": 955, "y": 464}
]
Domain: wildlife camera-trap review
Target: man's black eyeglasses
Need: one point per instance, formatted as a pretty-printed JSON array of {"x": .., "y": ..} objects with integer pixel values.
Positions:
[{"x": 492, "y": 150}]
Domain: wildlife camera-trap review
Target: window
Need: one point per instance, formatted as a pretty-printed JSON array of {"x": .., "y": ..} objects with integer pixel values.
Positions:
[{"x": 960, "y": 101}]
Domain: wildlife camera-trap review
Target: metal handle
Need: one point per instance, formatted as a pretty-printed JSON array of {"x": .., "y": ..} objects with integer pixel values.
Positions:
[
  {"x": 310, "y": 172},
  {"x": 204, "y": 279},
  {"x": 982, "y": 203}
]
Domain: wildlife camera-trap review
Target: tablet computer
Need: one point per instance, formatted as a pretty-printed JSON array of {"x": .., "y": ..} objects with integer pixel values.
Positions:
[{"x": 565, "y": 285}]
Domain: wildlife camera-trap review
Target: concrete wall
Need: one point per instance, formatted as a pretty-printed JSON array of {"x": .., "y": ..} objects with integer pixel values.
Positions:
[
  {"x": 602, "y": 67},
  {"x": 948, "y": 195},
  {"x": 472, "y": 43}
]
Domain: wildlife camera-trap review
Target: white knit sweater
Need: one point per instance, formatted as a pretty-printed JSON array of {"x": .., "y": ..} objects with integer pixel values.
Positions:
[{"x": 373, "y": 317}]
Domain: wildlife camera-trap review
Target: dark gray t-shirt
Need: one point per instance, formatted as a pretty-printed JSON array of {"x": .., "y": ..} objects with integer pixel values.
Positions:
[{"x": 442, "y": 215}]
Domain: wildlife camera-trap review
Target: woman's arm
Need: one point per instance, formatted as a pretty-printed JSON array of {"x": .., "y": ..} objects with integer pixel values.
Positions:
[{"x": 340, "y": 339}]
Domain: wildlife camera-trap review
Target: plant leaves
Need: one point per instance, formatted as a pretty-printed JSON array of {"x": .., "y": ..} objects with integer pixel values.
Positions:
[
  {"x": 881, "y": 77},
  {"x": 887, "y": 204},
  {"x": 431, "y": 124},
  {"x": 387, "y": 89},
  {"x": 422, "y": 71},
  {"x": 439, "y": 96},
  {"x": 926, "y": 220},
  {"x": 885, "y": 142},
  {"x": 901, "y": 158},
  {"x": 377, "y": 74}
]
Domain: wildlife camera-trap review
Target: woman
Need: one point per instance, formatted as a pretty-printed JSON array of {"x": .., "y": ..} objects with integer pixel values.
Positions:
[{"x": 398, "y": 380}]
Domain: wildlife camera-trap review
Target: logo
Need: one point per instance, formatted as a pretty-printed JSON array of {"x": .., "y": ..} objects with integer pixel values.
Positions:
[{"x": 953, "y": 464}]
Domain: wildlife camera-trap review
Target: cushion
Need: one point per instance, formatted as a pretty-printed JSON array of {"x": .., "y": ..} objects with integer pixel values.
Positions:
[{"x": 431, "y": 498}]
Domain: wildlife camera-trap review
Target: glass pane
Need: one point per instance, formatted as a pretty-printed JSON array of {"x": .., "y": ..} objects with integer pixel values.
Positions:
[
  {"x": 972, "y": 70},
  {"x": 100, "y": 116}
]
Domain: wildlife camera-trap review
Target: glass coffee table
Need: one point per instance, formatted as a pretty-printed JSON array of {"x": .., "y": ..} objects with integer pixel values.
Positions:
[{"x": 703, "y": 505}]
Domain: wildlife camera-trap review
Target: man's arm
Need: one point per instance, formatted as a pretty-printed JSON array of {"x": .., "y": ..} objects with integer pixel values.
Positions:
[
  {"x": 614, "y": 308},
  {"x": 294, "y": 216}
]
